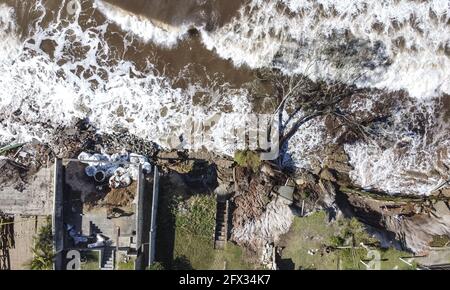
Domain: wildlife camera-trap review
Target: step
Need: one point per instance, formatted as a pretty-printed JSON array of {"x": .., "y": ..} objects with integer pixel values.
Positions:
[
  {"x": 219, "y": 245},
  {"x": 220, "y": 234}
]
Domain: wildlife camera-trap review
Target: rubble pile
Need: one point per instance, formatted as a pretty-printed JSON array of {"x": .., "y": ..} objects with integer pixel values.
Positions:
[
  {"x": 116, "y": 142},
  {"x": 120, "y": 168},
  {"x": 259, "y": 216},
  {"x": 12, "y": 173},
  {"x": 274, "y": 221},
  {"x": 68, "y": 141}
]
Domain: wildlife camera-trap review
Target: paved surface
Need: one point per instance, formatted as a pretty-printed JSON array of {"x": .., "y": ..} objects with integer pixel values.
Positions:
[
  {"x": 35, "y": 199},
  {"x": 108, "y": 227},
  {"x": 25, "y": 228},
  {"x": 435, "y": 257}
]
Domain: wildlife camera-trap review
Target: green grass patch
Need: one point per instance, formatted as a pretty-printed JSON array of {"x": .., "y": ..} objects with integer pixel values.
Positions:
[
  {"x": 156, "y": 266},
  {"x": 440, "y": 241},
  {"x": 248, "y": 159},
  {"x": 90, "y": 260},
  {"x": 314, "y": 234},
  {"x": 197, "y": 216},
  {"x": 128, "y": 265},
  {"x": 194, "y": 237},
  {"x": 196, "y": 252},
  {"x": 6, "y": 149},
  {"x": 43, "y": 248}
]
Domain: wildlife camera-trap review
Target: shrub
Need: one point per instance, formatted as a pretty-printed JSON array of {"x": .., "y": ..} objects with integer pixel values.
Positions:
[
  {"x": 43, "y": 248},
  {"x": 354, "y": 230},
  {"x": 156, "y": 266},
  {"x": 198, "y": 216},
  {"x": 248, "y": 159}
]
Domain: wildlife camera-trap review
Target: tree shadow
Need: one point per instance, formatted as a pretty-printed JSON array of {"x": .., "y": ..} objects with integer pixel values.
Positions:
[{"x": 181, "y": 263}]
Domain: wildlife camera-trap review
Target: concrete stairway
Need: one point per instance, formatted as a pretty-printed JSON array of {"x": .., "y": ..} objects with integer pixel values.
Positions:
[
  {"x": 107, "y": 259},
  {"x": 94, "y": 229},
  {"x": 107, "y": 253},
  {"x": 221, "y": 232}
]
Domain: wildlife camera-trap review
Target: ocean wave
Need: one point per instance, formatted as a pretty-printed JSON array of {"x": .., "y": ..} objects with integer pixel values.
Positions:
[
  {"x": 84, "y": 77},
  {"x": 40, "y": 92},
  {"x": 384, "y": 44},
  {"x": 396, "y": 45},
  {"x": 146, "y": 29}
]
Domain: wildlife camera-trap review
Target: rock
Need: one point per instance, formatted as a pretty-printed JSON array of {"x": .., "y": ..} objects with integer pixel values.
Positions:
[
  {"x": 305, "y": 178},
  {"x": 224, "y": 163},
  {"x": 441, "y": 209},
  {"x": 300, "y": 181},
  {"x": 315, "y": 166},
  {"x": 327, "y": 175}
]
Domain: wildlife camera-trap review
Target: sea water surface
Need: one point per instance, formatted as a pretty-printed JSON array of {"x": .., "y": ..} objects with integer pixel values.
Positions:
[{"x": 147, "y": 66}]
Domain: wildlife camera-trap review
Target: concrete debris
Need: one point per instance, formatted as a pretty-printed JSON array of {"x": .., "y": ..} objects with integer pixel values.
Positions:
[
  {"x": 22, "y": 192},
  {"x": 76, "y": 236},
  {"x": 121, "y": 168},
  {"x": 268, "y": 259},
  {"x": 101, "y": 242},
  {"x": 267, "y": 228}
]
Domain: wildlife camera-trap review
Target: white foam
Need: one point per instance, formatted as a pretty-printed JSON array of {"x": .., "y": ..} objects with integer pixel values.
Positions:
[
  {"x": 10, "y": 42},
  {"x": 146, "y": 29},
  {"x": 48, "y": 94},
  {"x": 403, "y": 158},
  {"x": 306, "y": 142},
  {"x": 265, "y": 36}
]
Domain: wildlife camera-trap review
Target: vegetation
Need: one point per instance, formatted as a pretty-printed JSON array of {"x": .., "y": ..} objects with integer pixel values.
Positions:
[
  {"x": 248, "y": 159},
  {"x": 90, "y": 260},
  {"x": 126, "y": 265},
  {"x": 351, "y": 232},
  {"x": 440, "y": 241},
  {"x": 156, "y": 266},
  {"x": 194, "y": 252},
  {"x": 394, "y": 198},
  {"x": 43, "y": 248},
  {"x": 183, "y": 167},
  {"x": 194, "y": 233},
  {"x": 311, "y": 242},
  {"x": 4, "y": 150},
  {"x": 197, "y": 216}
]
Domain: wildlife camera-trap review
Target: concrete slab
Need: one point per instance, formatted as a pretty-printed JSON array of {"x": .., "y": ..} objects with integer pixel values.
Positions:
[
  {"x": 25, "y": 228},
  {"x": 36, "y": 198}
]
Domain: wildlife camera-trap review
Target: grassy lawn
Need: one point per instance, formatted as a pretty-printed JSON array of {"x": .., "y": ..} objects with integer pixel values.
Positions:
[
  {"x": 315, "y": 233},
  {"x": 193, "y": 249},
  {"x": 90, "y": 260},
  {"x": 193, "y": 252},
  {"x": 121, "y": 265}
]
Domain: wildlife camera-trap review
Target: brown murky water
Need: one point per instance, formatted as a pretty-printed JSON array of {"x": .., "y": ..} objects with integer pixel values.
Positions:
[
  {"x": 258, "y": 44},
  {"x": 203, "y": 65},
  {"x": 210, "y": 13}
]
